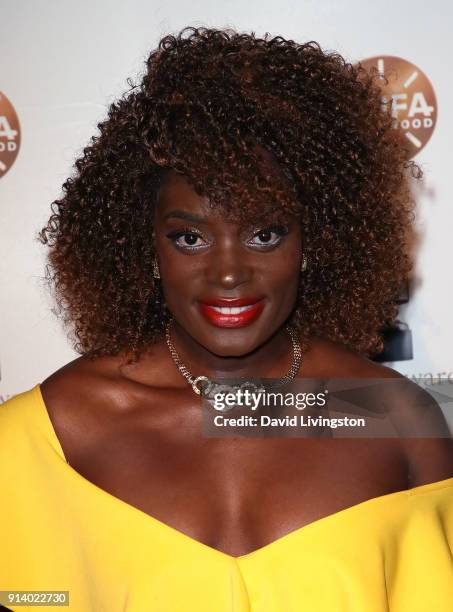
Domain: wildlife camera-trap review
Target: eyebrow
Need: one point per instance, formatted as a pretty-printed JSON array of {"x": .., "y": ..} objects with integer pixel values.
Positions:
[{"x": 187, "y": 216}]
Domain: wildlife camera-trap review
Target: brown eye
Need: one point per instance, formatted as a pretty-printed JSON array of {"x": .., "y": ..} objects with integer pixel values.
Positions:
[
  {"x": 268, "y": 238},
  {"x": 265, "y": 236},
  {"x": 190, "y": 239}
]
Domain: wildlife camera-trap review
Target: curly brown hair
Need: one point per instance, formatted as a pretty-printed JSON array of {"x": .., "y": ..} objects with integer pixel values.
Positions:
[{"x": 208, "y": 97}]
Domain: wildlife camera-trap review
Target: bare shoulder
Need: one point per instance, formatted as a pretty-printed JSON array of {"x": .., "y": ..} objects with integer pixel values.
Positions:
[
  {"x": 81, "y": 378},
  {"x": 91, "y": 392},
  {"x": 71, "y": 392},
  {"x": 334, "y": 360},
  {"x": 419, "y": 420}
]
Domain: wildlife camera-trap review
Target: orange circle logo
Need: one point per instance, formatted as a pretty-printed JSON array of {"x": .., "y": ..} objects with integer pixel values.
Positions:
[
  {"x": 412, "y": 98},
  {"x": 9, "y": 135}
]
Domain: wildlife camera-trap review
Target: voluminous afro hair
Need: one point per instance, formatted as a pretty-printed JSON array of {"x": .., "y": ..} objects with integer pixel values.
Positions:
[{"x": 208, "y": 101}]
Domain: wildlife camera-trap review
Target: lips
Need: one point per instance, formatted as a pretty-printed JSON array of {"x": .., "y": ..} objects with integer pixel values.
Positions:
[{"x": 237, "y": 312}]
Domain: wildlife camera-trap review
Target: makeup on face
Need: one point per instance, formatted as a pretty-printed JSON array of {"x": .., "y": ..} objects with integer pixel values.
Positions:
[
  {"x": 192, "y": 239},
  {"x": 218, "y": 310},
  {"x": 230, "y": 285},
  {"x": 231, "y": 312}
]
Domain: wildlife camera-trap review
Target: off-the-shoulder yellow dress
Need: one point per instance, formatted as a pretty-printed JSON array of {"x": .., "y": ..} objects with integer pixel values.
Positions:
[{"x": 58, "y": 531}]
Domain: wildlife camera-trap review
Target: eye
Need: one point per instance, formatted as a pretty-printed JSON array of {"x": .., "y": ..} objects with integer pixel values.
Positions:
[
  {"x": 269, "y": 237},
  {"x": 187, "y": 240}
]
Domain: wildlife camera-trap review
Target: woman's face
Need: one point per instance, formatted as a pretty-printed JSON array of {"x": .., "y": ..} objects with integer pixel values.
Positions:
[{"x": 228, "y": 286}]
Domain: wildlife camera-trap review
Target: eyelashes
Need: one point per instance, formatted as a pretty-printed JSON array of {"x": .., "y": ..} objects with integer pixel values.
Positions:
[
  {"x": 180, "y": 237},
  {"x": 192, "y": 240},
  {"x": 265, "y": 237}
]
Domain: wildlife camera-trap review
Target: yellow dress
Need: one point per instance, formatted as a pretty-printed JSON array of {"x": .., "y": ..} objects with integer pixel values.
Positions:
[{"x": 58, "y": 531}]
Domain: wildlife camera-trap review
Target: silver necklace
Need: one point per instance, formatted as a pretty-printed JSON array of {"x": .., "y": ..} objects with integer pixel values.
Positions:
[{"x": 195, "y": 382}]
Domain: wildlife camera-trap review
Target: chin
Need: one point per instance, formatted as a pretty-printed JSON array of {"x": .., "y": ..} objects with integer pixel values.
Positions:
[
  {"x": 224, "y": 346},
  {"x": 229, "y": 352}
]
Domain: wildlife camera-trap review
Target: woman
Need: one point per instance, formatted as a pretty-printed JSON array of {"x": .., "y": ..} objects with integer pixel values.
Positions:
[{"x": 247, "y": 204}]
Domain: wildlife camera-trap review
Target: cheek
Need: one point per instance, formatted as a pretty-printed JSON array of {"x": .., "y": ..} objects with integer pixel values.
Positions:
[
  {"x": 285, "y": 280},
  {"x": 177, "y": 285},
  {"x": 286, "y": 290},
  {"x": 181, "y": 280},
  {"x": 285, "y": 266},
  {"x": 176, "y": 275},
  {"x": 175, "y": 268},
  {"x": 283, "y": 274}
]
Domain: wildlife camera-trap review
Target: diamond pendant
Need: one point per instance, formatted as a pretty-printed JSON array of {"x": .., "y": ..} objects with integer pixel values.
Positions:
[{"x": 195, "y": 384}]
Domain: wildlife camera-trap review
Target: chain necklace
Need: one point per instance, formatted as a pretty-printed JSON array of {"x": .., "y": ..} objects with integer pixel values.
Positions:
[{"x": 195, "y": 382}]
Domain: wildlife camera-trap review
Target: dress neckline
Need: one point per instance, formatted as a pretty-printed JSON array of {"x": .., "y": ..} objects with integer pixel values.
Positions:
[{"x": 48, "y": 427}]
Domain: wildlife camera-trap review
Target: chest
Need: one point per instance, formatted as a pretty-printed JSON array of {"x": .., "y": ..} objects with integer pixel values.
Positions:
[{"x": 239, "y": 494}]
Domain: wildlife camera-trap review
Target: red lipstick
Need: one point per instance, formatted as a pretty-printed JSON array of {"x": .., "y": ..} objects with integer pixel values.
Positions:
[{"x": 237, "y": 312}]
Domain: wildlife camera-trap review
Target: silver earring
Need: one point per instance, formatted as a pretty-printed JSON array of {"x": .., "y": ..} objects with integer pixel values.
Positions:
[
  {"x": 156, "y": 272},
  {"x": 304, "y": 264}
]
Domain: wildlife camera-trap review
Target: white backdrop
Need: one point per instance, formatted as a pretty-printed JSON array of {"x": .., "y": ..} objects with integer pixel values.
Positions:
[{"x": 63, "y": 62}]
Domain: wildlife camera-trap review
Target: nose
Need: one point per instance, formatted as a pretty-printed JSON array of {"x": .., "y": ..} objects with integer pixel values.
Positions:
[{"x": 228, "y": 267}]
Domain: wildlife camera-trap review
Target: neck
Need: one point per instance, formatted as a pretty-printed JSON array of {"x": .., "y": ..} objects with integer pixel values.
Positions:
[{"x": 270, "y": 360}]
